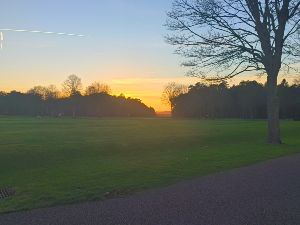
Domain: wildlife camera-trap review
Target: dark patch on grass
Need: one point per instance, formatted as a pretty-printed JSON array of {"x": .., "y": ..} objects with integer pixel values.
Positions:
[
  {"x": 60, "y": 161},
  {"x": 6, "y": 193}
]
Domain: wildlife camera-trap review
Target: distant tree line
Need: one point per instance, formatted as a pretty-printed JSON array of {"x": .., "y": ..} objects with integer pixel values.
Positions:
[
  {"x": 246, "y": 100},
  {"x": 48, "y": 101}
]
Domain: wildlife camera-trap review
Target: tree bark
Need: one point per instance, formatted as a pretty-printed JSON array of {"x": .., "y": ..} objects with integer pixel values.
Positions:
[{"x": 273, "y": 110}]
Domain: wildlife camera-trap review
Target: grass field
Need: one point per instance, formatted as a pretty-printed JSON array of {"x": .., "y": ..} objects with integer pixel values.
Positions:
[{"x": 56, "y": 161}]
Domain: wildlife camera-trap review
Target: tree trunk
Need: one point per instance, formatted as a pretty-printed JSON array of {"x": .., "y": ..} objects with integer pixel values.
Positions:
[{"x": 273, "y": 111}]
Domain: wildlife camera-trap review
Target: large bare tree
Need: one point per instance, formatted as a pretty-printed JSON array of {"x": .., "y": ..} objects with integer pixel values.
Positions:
[
  {"x": 171, "y": 91},
  {"x": 230, "y": 37}
]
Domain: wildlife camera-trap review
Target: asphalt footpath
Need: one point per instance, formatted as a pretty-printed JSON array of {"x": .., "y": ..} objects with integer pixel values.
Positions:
[{"x": 267, "y": 193}]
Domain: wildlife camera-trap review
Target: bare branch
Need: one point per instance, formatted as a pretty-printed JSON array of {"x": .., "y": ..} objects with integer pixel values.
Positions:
[{"x": 231, "y": 37}]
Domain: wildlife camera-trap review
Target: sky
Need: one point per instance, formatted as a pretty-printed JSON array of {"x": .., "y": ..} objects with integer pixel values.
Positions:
[{"x": 123, "y": 46}]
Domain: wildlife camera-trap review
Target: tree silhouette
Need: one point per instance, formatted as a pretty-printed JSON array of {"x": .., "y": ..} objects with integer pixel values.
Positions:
[
  {"x": 45, "y": 93},
  {"x": 171, "y": 91},
  {"x": 72, "y": 85},
  {"x": 52, "y": 92},
  {"x": 246, "y": 100},
  {"x": 38, "y": 91},
  {"x": 96, "y": 88},
  {"x": 96, "y": 105},
  {"x": 231, "y": 37}
]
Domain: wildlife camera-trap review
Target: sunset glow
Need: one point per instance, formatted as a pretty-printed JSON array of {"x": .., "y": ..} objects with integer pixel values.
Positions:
[{"x": 123, "y": 46}]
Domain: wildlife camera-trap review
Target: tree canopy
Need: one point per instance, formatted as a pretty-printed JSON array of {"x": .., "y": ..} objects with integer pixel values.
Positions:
[
  {"x": 246, "y": 100},
  {"x": 235, "y": 36},
  {"x": 230, "y": 37}
]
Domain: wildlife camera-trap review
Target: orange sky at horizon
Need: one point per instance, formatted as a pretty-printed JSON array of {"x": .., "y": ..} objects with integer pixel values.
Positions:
[
  {"x": 124, "y": 46},
  {"x": 148, "y": 89}
]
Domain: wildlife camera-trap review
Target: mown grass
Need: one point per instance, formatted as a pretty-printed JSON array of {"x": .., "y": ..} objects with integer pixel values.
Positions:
[{"x": 56, "y": 161}]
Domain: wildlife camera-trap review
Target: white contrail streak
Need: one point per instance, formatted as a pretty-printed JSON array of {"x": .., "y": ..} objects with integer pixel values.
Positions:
[
  {"x": 1, "y": 40},
  {"x": 41, "y": 32}
]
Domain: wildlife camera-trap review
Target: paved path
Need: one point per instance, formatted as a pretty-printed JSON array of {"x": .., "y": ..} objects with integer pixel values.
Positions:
[{"x": 267, "y": 193}]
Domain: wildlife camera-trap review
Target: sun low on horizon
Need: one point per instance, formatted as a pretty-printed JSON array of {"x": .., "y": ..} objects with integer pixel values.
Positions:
[{"x": 118, "y": 42}]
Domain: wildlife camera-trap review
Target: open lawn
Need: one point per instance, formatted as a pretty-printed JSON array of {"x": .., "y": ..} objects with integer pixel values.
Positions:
[{"x": 56, "y": 161}]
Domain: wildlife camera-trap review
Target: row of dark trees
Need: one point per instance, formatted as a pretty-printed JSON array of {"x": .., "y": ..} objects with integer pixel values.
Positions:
[
  {"x": 49, "y": 101},
  {"x": 246, "y": 100},
  {"x": 98, "y": 105},
  {"x": 228, "y": 38}
]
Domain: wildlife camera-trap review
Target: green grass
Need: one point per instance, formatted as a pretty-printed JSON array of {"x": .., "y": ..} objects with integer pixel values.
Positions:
[{"x": 56, "y": 161}]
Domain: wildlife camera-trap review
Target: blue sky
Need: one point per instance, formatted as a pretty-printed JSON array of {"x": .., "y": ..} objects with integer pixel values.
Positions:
[{"x": 123, "y": 46}]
